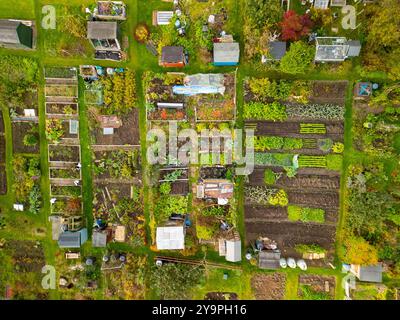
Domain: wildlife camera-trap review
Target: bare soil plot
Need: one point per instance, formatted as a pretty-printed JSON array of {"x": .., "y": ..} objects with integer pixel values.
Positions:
[
  {"x": 64, "y": 153},
  {"x": 269, "y": 286},
  {"x": 314, "y": 199},
  {"x": 221, "y": 296},
  {"x": 289, "y": 234},
  {"x": 19, "y": 131},
  {"x": 127, "y": 134},
  {"x": 3, "y": 179},
  {"x": 334, "y": 129},
  {"x": 318, "y": 283},
  {"x": 27, "y": 255},
  {"x": 180, "y": 187},
  {"x": 1, "y": 123},
  {"x": 329, "y": 92},
  {"x": 300, "y": 181},
  {"x": 2, "y": 149},
  {"x": 30, "y": 102}
]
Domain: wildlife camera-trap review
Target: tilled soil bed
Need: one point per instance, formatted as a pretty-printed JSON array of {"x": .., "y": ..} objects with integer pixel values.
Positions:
[
  {"x": 314, "y": 199},
  {"x": 3, "y": 179},
  {"x": 288, "y": 234},
  {"x": 19, "y": 130},
  {"x": 269, "y": 286},
  {"x": 298, "y": 182},
  {"x": 329, "y": 92},
  {"x": 318, "y": 283}
]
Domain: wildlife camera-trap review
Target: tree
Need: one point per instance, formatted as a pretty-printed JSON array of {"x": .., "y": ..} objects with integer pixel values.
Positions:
[
  {"x": 294, "y": 26},
  {"x": 298, "y": 59}
]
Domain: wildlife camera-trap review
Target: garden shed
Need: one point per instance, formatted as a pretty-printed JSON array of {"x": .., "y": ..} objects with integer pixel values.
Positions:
[
  {"x": 16, "y": 34},
  {"x": 70, "y": 239},
  {"x": 276, "y": 50},
  {"x": 226, "y": 53},
  {"x": 321, "y": 4},
  {"x": 269, "y": 259},
  {"x": 100, "y": 238},
  {"x": 103, "y": 35},
  {"x": 370, "y": 273},
  {"x": 172, "y": 57},
  {"x": 233, "y": 250},
  {"x": 170, "y": 237}
]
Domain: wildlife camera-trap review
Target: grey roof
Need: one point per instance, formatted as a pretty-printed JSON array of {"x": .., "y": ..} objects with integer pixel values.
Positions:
[
  {"x": 277, "y": 49},
  {"x": 102, "y": 30},
  {"x": 69, "y": 240},
  {"x": 172, "y": 54},
  {"x": 269, "y": 260},
  {"x": 15, "y": 32},
  {"x": 226, "y": 52},
  {"x": 354, "y": 48},
  {"x": 99, "y": 239},
  {"x": 371, "y": 273}
]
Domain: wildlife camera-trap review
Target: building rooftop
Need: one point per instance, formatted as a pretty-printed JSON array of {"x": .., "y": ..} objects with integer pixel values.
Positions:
[
  {"x": 226, "y": 52},
  {"x": 16, "y": 33},
  {"x": 171, "y": 54},
  {"x": 277, "y": 49},
  {"x": 170, "y": 238},
  {"x": 233, "y": 250},
  {"x": 102, "y": 30}
]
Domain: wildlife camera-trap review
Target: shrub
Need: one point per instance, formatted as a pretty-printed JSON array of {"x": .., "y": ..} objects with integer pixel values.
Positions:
[
  {"x": 298, "y": 59},
  {"x": 269, "y": 177},
  {"x": 213, "y": 211},
  {"x": 334, "y": 162},
  {"x": 264, "y": 88},
  {"x": 142, "y": 33},
  {"x": 309, "y": 248},
  {"x": 165, "y": 188},
  {"x": 279, "y": 199},
  {"x": 338, "y": 147},
  {"x": 359, "y": 251},
  {"x": 204, "y": 232},
  {"x": 290, "y": 172},
  {"x": 325, "y": 144},
  {"x": 30, "y": 140}
]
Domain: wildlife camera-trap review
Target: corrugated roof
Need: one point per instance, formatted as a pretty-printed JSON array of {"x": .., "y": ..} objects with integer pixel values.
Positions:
[
  {"x": 102, "y": 30},
  {"x": 170, "y": 238},
  {"x": 269, "y": 260},
  {"x": 277, "y": 49},
  {"x": 99, "y": 239},
  {"x": 226, "y": 52},
  {"x": 69, "y": 240},
  {"x": 164, "y": 17}
]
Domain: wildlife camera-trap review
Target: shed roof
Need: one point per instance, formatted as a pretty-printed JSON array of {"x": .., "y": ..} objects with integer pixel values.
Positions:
[
  {"x": 233, "y": 250},
  {"x": 269, "y": 260},
  {"x": 15, "y": 32},
  {"x": 277, "y": 49},
  {"x": 170, "y": 238},
  {"x": 171, "y": 54},
  {"x": 99, "y": 239},
  {"x": 164, "y": 17},
  {"x": 69, "y": 240},
  {"x": 102, "y": 30},
  {"x": 226, "y": 52},
  {"x": 372, "y": 273}
]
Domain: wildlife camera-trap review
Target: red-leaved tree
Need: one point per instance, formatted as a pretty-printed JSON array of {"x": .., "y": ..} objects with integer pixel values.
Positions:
[{"x": 295, "y": 26}]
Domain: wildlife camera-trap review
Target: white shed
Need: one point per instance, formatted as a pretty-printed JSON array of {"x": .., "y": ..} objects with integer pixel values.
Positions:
[
  {"x": 170, "y": 238},
  {"x": 233, "y": 250}
]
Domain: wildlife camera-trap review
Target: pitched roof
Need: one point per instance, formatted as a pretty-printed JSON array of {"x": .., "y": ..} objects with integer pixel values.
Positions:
[
  {"x": 102, "y": 30},
  {"x": 15, "y": 32},
  {"x": 171, "y": 54},
  {"x": 170, "y": 238},
  {"x": 226, "y": 52}
]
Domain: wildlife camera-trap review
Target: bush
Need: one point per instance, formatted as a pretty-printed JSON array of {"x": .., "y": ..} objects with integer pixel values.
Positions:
[
  {"x": 298, "y": 59},
  {"x": 334, "y": 162},
  {"x": 142, "y": 33},
  {"x": 359, "y": 251},
  {"x": 204, "y": 232},
  {"x": 30, "y": 140},
  {"x": 279, "y": 199},
  {"x": 165, "y": 188},
  {"x": 264, "y": 88},
  {"x": 213, "y": 211},
  {"x": 309, "y": 248},
  {"x": 338, "y": 147},
  {"x": 269, "y": 177}
]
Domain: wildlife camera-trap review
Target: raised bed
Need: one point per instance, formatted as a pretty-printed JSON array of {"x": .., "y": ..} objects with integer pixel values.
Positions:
[
  {"x": 66, "y": 191},
  {"x": 325, "y": 285},
  {"x": 60, "y": 73},
  {"x": 64, "y": 153},
  {"x": 65, "y": 173},
  {"x": 67, "y": 206},
  {"x": 58, "y": 90},
  {"x": 67, "y": 109}
]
